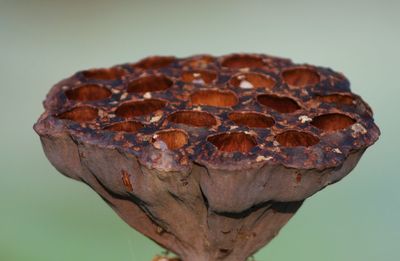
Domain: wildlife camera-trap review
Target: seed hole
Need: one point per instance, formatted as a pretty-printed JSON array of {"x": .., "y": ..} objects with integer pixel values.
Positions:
[
  {"x": 293, "y": 138},
  {"x": 155, "y": 62},
  {"x": 89, "y": 92},
  {"x": 338, "y": 99},
  {"x": 251, "y": 119},
  {"x": 139, "y": 108},
  {"x": 149, "y": 84},
  {"x": 224, "y": 250},
  {"x": 300, "y": 77},
  {"x": 193, "y": 118},
  {"x": 173, "y": 139},
  {"x": 80, "y": 114},
  {"x": 199, "y": 76},
  {"x": 200, "y": 61},
  {"x": 242, "y": 61},
  {"x": 252, "y": 80},
  {"x": 332, "y": 122},
  {"x": 104, "y": 74},
  {"x": 125, "y": 126},
  {"x": 232, "y": 142},
  {"x": 214, "y": 98},
  {"x": 280, "y": 104}
]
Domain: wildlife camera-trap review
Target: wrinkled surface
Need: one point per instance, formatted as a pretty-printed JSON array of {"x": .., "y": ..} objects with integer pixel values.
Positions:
[{"x": 157, "y": 140}]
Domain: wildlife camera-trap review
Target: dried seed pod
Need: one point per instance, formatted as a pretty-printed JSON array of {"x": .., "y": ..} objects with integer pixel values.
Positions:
[{"x": 208, "y": 156}]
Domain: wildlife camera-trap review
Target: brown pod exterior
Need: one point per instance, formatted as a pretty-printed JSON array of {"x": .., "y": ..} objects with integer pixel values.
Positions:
[{"x": 208, "y": 156}]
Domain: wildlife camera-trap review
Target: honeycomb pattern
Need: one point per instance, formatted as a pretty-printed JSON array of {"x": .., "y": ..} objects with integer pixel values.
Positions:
[{"x": 222, "y": 111}]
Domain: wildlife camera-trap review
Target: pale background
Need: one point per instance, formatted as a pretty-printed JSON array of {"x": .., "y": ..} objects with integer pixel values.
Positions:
[{"x": 47, "y": 217}]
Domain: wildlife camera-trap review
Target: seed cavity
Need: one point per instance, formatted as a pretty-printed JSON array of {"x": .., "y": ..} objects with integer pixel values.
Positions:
[
  {"x": 88, "y": 92},
  {"x": 278, "y": 103},
  {"x": 173, "y": 139},
  {"x": 251, "y": 119},
  {"x": 139, "y": 108},
  {"x": 81, "y": 114},
  {"x": 293, "y": 138},
  {"x": 238, "y": 61},
  {"x": 301, "y": 77},
  {"x": 233, "y": 142},
  {"x": 332, "y": 122},
  {"x": 150, "y": 83},
  {"x": 252, "y": 81},
  {"x": 214, "y": 98},
  {"x": 193, "y": 118}
]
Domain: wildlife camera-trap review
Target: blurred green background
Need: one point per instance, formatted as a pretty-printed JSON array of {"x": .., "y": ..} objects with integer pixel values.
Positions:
[{"x": 47, "y": 217}]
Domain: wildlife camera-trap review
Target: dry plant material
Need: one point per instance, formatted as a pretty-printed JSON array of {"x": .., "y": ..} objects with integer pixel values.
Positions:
[{"x": 208, "y": 156}]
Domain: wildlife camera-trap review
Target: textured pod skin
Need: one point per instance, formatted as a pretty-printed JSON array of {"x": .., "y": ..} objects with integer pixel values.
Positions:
[{"x": 208, "y": 156}]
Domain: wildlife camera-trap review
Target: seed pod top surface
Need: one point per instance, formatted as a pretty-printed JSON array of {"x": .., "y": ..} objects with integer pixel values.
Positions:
[{"x": 225, "y": 112}]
